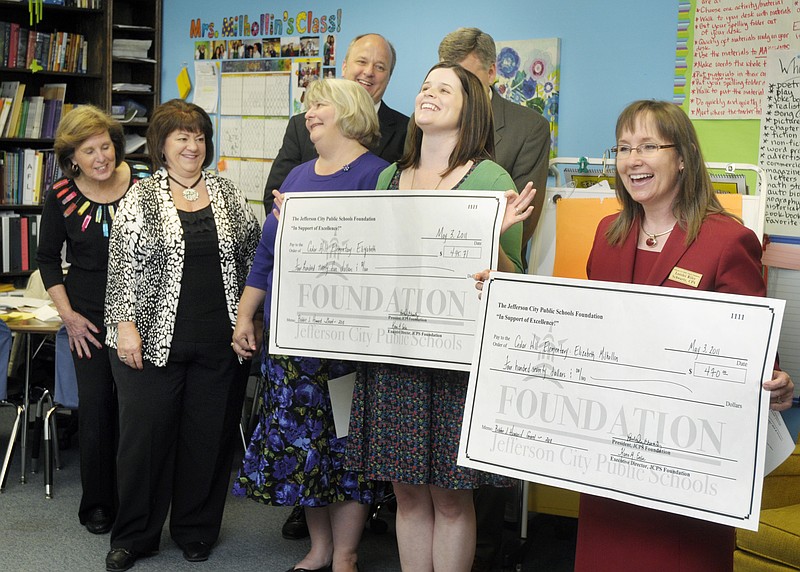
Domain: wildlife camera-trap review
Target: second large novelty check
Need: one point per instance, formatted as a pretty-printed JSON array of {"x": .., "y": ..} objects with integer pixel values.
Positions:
[
  {"x": 382, "y": 276},
  {"x": 642, "y": 394}
]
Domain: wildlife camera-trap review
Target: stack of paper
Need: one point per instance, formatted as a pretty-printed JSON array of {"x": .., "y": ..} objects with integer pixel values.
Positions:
[
  {"x": 142, "y": 87},
  {"x": 125, "y": 48},
  {"x": 133, "y": 141}
]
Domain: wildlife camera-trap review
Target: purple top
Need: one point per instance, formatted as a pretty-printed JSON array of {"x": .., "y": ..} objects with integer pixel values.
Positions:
[{"x": 361, "y": 175}]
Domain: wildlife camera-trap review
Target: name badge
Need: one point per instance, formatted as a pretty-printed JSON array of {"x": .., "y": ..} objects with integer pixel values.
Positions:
[{"x": 685, "y": 277}]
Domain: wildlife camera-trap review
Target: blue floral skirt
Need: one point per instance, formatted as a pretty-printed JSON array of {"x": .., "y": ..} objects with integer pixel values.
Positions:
[{"x": 294, "y": 456}]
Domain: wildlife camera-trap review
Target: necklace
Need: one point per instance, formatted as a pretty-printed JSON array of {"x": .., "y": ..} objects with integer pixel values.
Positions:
[
  {"x": 414, "y": 174},
  {"x": 188, "y": 192},
  {"x": 652, "y": 241}
]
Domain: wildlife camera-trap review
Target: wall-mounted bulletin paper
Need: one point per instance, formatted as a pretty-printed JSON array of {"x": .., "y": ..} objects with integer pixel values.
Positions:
[
  {"x": 730, "y": 40},
  {"x": 254, "y": 112},
  {"x": 780, "y": 143},
  {"x": 529, "y": 73},
  {"x": 249, "y": 176}
]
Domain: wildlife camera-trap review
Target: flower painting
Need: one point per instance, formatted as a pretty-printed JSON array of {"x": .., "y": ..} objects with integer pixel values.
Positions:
[{"x": 528, "y": 73}]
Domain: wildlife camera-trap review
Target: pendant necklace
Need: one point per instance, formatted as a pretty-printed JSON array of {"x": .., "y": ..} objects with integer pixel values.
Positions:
[
  {"x": 413, "y": 176},
  {"x": 652, "y": 239},
  {"x": 188, "y": 192}
]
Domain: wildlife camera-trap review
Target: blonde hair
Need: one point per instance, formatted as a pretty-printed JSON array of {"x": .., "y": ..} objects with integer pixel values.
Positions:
[
  {"x": 80, "y": 124},
  {"x": 356, "y": 117}
]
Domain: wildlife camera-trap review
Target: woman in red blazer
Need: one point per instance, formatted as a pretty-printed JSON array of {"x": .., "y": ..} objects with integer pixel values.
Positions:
[{"x": 672, "y": 231}]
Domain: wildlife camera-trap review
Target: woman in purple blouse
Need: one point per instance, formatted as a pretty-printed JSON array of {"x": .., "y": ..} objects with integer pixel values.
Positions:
[{"x": 294, "y": 457}]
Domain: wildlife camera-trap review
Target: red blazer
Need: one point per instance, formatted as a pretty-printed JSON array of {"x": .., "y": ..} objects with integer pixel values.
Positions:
[
  {"x": 726, "y": 253},
  {"x": 612, "y": 534}
]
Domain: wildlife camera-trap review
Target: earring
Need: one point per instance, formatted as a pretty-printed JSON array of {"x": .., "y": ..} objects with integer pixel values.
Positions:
[{"x": 75, "y": 169}]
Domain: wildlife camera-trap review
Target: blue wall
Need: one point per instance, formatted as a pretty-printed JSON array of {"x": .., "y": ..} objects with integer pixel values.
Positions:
[{"x": 612, "y": 52}]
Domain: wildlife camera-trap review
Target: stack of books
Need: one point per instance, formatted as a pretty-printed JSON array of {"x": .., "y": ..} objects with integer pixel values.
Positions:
[
  {"x": 32, "y": 117},
  {"x": 54, "y": 51},
  {"x": 19, "y": 241},
  {"x": 93, "y": 4},
  {"x": 26, "y": 175}
]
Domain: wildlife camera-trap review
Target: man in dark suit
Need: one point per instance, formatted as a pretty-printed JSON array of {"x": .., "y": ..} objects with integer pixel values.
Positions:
[
  {"x": 370, "y": 61},
  {"x": 522, "y": 147},
  {"x": 521, "y": 134}
]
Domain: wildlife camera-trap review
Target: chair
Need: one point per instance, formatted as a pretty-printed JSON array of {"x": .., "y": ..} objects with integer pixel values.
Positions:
[
  {"x": 5, "y": 350},
  {"x": 776, "y": 545},
  {"x": 66, "y": 396}
]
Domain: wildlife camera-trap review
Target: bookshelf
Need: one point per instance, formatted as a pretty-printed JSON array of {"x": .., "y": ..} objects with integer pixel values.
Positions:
[
  {"x": 92, "y": 77},
  {"x": 135, "y": 73},
  {"x": 79, "y": 74},
  {"x": 69, "y": 46}
]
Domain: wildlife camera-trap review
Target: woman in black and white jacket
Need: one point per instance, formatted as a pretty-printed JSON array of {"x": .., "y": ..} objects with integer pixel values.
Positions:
[{"x": 180, "y": 250}]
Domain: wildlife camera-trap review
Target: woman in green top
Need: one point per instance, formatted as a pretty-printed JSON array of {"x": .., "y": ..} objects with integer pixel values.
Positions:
[{"x": 406, "y": 421}]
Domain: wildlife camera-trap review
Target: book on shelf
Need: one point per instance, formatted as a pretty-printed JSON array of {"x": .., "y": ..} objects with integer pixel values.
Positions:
[
  {"x": 33, "y": 238},
  {"x": 15, "y": 243},
  {"x": 24, "y": 239},
  {"x": 22, "y": 48},
  {"x": 5, "y": 32},
  {"x": 91, "y": 4},
  {"x": 23, "y": 119},
  {"x": 13, "y": 118},
  {"x": 31, "y": 47},
  {"x": 53, "y": 94},
  {"x": 5, "y": 109},
  {"x": 30, "y": 165},
  {"x": 33, "y": 125},
  {"x": 5, "y": 237},
  {"x": 13, "y": 41}
]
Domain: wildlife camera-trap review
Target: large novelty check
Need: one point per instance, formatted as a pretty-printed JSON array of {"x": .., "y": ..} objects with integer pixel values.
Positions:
[
  {"x": 646, "y": 395},
  {"x": 383, "y": 276}
]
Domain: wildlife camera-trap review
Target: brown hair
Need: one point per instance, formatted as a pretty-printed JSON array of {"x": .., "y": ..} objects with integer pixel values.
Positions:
[
  {"x": 77, "y": 126},
  {"x": 696, "y": 198},
  {"x": 458, "y": 45},
  {"x": 173, "y": 115},
  {"x": 476, "y": 126}
]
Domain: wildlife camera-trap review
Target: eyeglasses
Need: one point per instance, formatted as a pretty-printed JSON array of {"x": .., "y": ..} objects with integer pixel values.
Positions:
[{"x": 644, "y": 150}]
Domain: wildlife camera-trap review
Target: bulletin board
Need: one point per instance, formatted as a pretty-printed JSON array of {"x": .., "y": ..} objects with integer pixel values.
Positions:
[
  {"x": 720, "y": 69},
  {"x": 262, "y": 83},
  {"x": 726, "y": 81},
  {"x": 254, "y": 110}
]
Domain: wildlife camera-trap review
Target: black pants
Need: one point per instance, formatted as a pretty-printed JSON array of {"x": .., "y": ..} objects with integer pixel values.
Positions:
[
  {"x": 490, "y": 508},
  {"x": 97, "y": 431},
  {"x": 177, "y": 428},
  {"x": 97, "y": 399}
]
